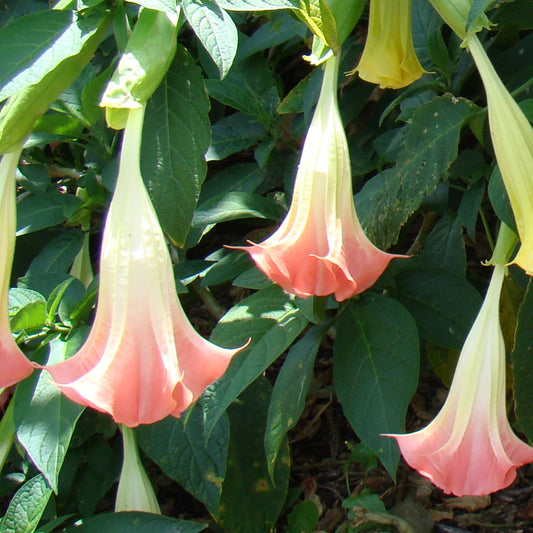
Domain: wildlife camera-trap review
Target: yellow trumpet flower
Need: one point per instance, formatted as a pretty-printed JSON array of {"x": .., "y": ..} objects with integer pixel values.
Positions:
[{"x": 389, "y": 57}]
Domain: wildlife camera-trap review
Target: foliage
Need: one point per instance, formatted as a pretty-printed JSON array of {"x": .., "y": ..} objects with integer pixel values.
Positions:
[{"x": 220, "y": 149}]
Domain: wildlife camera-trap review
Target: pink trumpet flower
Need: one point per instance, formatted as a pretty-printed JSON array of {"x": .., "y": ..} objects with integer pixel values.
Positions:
[
  {"x": 13, "y": 364},
  {"x": 142, "y": 360},
  {"x": 320, "y": 247},
  {"x": 470, "y": 448}
]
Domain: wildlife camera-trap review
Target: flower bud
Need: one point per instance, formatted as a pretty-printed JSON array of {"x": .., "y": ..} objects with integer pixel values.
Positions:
[{"x": 143, "y": 64}]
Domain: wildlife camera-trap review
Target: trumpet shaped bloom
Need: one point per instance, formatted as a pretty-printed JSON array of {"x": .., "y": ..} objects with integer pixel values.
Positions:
[
  {"x": 320, "y": 247},
  {"x": 142, "y": 360},
  {"x": 135, "y": 492},
  {"x": 470, "y": 448},
  {"x": 512, "y": 138},
  {"x": 389, "y": 57},
  {"x": 13, "y": 364}
]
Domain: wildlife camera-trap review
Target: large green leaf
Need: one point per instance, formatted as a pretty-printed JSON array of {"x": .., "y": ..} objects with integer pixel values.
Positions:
[
  {"x": 271, "y": 321},
  {"x": 176, "y": 136},
  {"x": 215, "y": 29},
  {"x": 134, "y": 522},
  {"x": 523, "y": 365},
  {"x": 179, "y": 447},
  {"x": 232, "y": 134},
  {"x": 26, "y": 507},
  {"x": 375, "y": 371},
  {"x": 251, "y": 500},
  {"x": 387, "y": 200},
  {"x": 33, "y": 45},
  {"x": 44, "y": 417},
  {"x": 443, "y": 304},
  {"x": 236, "y": 205},
  {"x": 243, "y": 177},
  {"x": 59, "y": 253},
  {"x": 45, "y": 210}
]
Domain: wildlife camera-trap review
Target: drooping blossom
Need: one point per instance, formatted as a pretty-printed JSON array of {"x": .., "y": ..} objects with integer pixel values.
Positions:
[
  {"x": 512, "y": 138},
  {"x": 135, "y": 492},
  {"x": 142, "y": 360},
  {"x": 13, "y": 364},
  {"x": 320, "y": 247},
  {"x": 470, "y": 448},
  {"x": 389, "y": 57}
]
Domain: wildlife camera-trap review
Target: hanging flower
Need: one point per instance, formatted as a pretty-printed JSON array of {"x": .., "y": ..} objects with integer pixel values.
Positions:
[
  {"x": 135, "y": 492},
  {"x": 13, "y": 364},
  {"x": 512, "y": 138},
  {"x": 320, "y": 247},
  {"x": 389, "y": 57},
  {"x": 142, "y": 360},
  {"x": 470, "y": 448}
]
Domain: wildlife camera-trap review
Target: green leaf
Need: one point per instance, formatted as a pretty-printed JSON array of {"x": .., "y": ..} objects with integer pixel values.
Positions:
[
  {"x": 45, "y": 210},
  {"x": 523, "y": 365},
  {"x": 375, "y": 371},
  {"x": 469, "y": 207},
  {"x": 234, "y": 206},
  {"x": 26, "y": 507},
  {"x": 134, "y": 522},
  {"x": 27, "y": 309},
  {"x": 445, "y": 246},
  {"x": 226, "y": 268},
  {"x": 249, "y": 87},
  {"x": 234, "y": 134},
  {"x": 251, "y": 501},
  {"x": 176, "y": 136},
  {"x": 499, "y": 198},
  {"x": 257, "y": 5},
  {"x": 56, "y": 296},
  {"x": 178, "y": 446},
  {"x": 252, "y": 278},
  {"x": 278, "y": 29},
  {"x": 387, "y": 200},
  {"x": 243, "y": 177},
  {"x": 59, "y": 253},
  {"x": 45, "y": 418},
  {"x": 215, "y": 29},
  {"x": 272, "y": 321},
  {"x": 444, "y": 305},
  {"x": 289, "y": 393},
  {"x": 33, "y": 45},
  {"x": 303, "y": 518}
]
